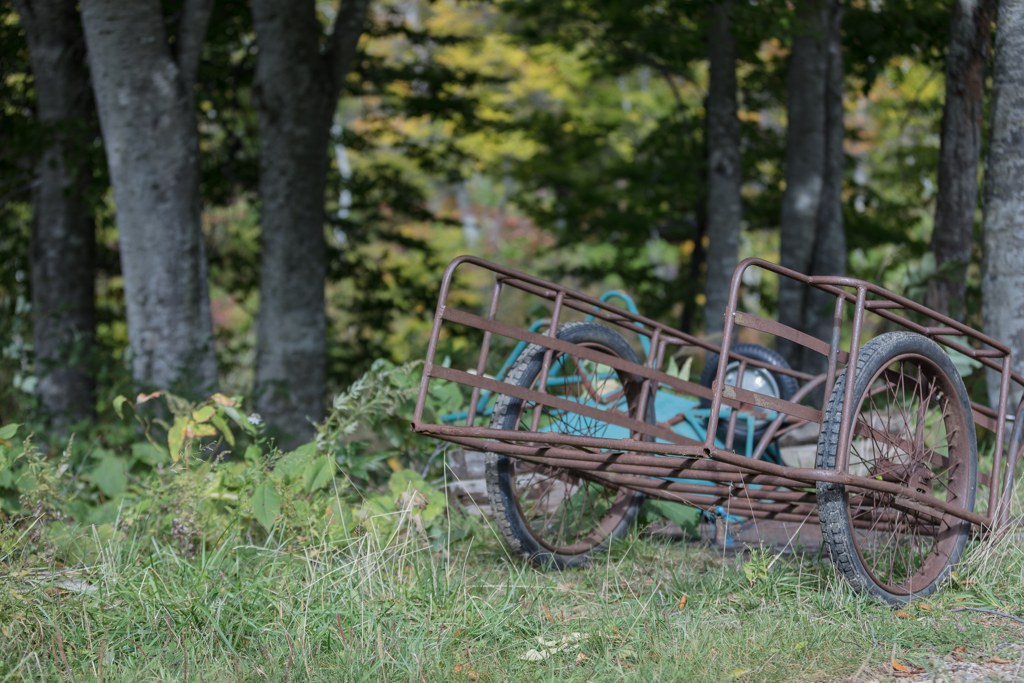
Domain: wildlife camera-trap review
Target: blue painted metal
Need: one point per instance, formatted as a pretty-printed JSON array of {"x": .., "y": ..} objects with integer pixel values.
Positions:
[
  {"x": 667, "y": 403},
  {"x": 484, "y": 410}
]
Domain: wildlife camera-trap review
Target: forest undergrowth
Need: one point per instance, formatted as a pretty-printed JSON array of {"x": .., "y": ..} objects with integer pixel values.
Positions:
[
  {"x": 341, "y": 561},
  {"x": 405, "y": 611}
]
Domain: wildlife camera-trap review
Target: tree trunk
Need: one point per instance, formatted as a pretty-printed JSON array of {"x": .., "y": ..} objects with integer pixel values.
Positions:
[
  {"x": 296, "y": 90},
  {"x": 830, "y": 233},
  {"x": 1002, "y": 280},
  {"x": 959, "y": 153},
  {"x": 724, "y": 171},
  {"x": 805, "y": 161},
  {"x": 63, "y": 233},
  {"x": 144, "y": 94}
]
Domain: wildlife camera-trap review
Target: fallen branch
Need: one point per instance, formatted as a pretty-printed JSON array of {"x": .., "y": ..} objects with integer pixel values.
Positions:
[{"x": 988, "y": 611}]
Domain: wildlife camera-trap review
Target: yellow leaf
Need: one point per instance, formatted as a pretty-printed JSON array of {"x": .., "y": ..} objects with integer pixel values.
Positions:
[
  {"x": 193, "y": 430},
  {"x": 203, "y": 414},
  {"x": 223, "y": 400},
  {"x": 394, "y": 464},
  {"x": 176, "y": 437}
]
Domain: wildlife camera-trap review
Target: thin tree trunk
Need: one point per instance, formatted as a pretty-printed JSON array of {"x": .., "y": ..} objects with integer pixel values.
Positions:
[
  {"x": 830, "y": 234},
  {"x": 63, "y": 233},
  {"x": 296, "y": 91},
  {"x": 691, "y": 284},
  {"x": 960, "y": 150},
  {"x": 1002, "y": 279},
  {"x": 724, "y": 171},
  {"x": 144, "y": 94},
  {"x": 805, "y": 161}
]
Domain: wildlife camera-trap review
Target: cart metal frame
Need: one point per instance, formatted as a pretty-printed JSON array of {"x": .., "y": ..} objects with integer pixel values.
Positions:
[{"x": 748, "y": 485}]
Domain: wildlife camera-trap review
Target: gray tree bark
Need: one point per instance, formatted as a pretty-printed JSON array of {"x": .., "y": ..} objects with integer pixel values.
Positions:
[
  {"x": 1002, "y": 279},
  {"x": 805, "y": 161},
  {"x": 296, "y": 91},
  {"x": 830, "y": 231},
  {"x": 725, "y": 207},
  {"x": 144, "y": 94},
  {"x": 960, "y": 151},
  {"x": 63, "y": 232},
  {"x": 813, "y": 233}
]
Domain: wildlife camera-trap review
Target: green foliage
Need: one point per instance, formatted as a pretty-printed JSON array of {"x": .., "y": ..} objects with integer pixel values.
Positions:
[
  {"x": 255, "y": 609},
  {"x": 688, "y": 518},
  {"x": 575, "y": 131},
  {"x": 368, "y": 423},
  {"x": 265, "y": 503},
  {"x": 182, "y": 485}
]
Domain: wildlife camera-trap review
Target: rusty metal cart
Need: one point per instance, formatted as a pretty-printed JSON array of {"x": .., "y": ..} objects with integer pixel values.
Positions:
[{"x": 575, "y": 442}]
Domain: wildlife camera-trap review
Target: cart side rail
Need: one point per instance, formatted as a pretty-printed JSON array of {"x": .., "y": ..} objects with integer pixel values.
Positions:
[{"x": 893, "y": 308}]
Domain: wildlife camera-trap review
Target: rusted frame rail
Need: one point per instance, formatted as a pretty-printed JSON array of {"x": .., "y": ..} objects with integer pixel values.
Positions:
[
  {"x": 625, "y": 462},
  {"x": 996, "y": 356}
]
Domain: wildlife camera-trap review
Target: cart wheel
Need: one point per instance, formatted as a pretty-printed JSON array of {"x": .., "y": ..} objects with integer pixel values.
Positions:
[
  {"x": 913, "y": 427},
  {"x": 552, "y": 516},
  {"x": 757, "y": 380}
]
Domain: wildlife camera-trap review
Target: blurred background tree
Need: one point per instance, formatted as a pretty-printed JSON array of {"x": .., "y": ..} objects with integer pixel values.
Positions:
[{"x": 603, "y": 143}]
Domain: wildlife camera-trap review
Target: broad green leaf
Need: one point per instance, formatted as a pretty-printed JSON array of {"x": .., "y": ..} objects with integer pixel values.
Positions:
[
  {"x": 684, "y": 372},
  {"x": 377, "y": 504},
  {"x": 409, "y": 480},
  {"x": 110, "y": 476},
  {"x": 265, "y": 503},
  {"x": 149, "y": 453},
  {"x": 307, "y": 449},
  {"x": 8, "y": 431},
  {"x": 220, "y": 424},
  {"x": 291, "y": 465},
  {"x": 204, "y": 414},
  {"x": 318, "y": 473},
  {"x": 237, "y": 416},
  {"x": 218, "y": 487},
  {"x": 396, "y": 431},
  {"x": 965, "y": 365},
  {"x": 176, "y": 437},
  {"x": 685, "y": 516},
  {"x": 253, "y": 454},
  {"x": 119, "y": 405},
  {"x": 436, "y": 504},
  {"x": 402, "y": 480}
]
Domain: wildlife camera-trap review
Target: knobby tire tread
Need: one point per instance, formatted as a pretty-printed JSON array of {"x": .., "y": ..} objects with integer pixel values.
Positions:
[
  {"x": 506, "y": 514},
  {"x": 832, "y": 504}
]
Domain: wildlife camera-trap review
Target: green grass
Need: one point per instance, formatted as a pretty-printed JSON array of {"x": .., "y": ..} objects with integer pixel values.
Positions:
[{"x": 404, "y": 612}]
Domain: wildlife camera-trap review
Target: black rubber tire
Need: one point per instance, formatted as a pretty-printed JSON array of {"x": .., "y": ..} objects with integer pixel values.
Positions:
[
  {"x": 787, "y": 386},
  {"x": 833, "y": 506},
  {"x": 500, "y": 492}
]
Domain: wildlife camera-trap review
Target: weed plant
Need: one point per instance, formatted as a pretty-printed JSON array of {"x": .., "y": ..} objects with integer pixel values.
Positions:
[{"x": 265, "y": 568}]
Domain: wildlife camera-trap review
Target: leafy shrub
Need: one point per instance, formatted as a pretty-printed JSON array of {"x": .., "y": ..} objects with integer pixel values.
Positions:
[{"x": 197, "y": 471}]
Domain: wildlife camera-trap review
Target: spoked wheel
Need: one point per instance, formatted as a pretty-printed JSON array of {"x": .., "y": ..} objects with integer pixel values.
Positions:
[
  {"x": 912, "y": 427},
  {"x": 557, "y": 517}
]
